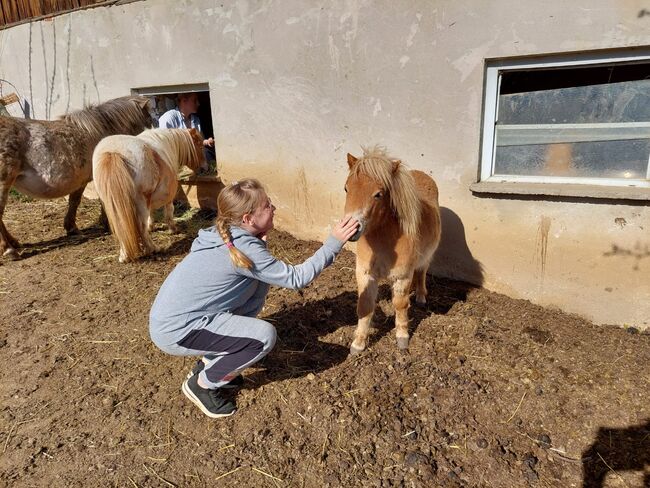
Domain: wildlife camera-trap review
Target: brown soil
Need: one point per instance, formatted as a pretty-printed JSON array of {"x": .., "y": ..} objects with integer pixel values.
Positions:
[{"x": 493, "y": 391}]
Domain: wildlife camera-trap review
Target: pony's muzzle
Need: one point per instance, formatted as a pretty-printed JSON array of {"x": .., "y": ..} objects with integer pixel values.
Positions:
[{"x": 358, "y": 233}]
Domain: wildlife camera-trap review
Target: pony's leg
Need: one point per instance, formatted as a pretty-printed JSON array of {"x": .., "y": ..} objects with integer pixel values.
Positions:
[
  {"x": 144, "y": 214},
  {"x": 401, "y": 303},
  {"x": 123, "y": 257},
  {"x": 420, "y": 282},
  {"x": 8, "y": 244},
  {"x": 70, "y": 221},
  {"x": 169, "y": 217},
  {"x": 367, "y": 286},
  {"x": 103, "y": 218}
]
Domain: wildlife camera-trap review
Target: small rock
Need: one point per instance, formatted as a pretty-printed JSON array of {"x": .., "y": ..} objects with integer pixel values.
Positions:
[
  {"x": 544, "y": 441},
  {"x": 453, "y": 476},
  {"x": 482, "y": 443},
  {"x": 632, "y": 330},
  {"x": 411, "y": 435},
  {"x": 415, "y": 457},
  {"x": 530, "y": 461}
]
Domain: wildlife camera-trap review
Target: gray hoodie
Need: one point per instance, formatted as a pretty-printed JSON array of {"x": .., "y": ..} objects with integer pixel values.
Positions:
[{"x": 206, "y": 283}]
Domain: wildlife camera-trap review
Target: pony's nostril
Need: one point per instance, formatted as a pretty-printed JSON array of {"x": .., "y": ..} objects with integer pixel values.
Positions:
[{"x": 357, "y": 234}]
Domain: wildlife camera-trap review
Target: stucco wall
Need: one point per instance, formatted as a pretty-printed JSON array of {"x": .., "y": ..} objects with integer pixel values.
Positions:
[{"x": 296, "y": 85}]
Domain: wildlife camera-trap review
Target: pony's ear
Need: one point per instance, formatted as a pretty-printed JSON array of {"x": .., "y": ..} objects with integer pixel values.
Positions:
[
  {"x": 351, "y": 160},
  {"x": 193, "y": 131},
  {"x": 143, "y": 102},
  {"x": 396, "y": 164}
]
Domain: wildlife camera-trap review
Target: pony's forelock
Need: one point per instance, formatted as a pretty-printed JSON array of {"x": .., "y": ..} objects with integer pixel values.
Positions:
[{"x": 398, "y": 181}]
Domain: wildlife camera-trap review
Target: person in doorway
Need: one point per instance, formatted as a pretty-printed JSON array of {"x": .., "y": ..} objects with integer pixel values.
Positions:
[
  {"x": 184, "y": 116},
  {"x": 208, "y": 304}
]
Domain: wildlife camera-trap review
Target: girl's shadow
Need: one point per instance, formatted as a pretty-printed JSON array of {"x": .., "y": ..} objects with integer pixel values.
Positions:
[{"x": 298, "y": 350}]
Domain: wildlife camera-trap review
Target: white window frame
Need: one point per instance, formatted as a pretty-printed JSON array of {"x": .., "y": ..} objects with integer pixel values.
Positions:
[{"x": 488, "y": 181}]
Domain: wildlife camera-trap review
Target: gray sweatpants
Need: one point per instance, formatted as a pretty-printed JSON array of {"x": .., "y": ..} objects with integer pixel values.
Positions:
[{"x": 228, "y": 343}]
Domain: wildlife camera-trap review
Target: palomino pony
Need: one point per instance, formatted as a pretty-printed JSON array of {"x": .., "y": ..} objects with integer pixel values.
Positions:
[
  {"x": 135, "y": 175},
  {"x": 399, "y": 231},
  {"x": 51, "y": 159}
]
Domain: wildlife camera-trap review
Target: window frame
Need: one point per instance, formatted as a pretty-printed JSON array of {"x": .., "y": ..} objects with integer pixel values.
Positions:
[{"x": 488, "y": 182}]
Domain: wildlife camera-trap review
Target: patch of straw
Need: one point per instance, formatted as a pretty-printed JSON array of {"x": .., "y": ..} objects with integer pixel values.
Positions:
[
  {"x": 611, "y": 469},
  {"x": 153, "y": 471},
  {"x": 228, "y": 473},
  {"x": 265, "y": 473},
  {"x": 516, "y": 409}
]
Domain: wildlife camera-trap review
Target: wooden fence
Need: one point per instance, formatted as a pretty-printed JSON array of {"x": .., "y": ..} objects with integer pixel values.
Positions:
[{"x": 17, "y": 11}]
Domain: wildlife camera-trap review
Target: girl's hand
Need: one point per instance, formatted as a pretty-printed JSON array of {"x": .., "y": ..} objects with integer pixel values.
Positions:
[{"x": 345, "y": 228}]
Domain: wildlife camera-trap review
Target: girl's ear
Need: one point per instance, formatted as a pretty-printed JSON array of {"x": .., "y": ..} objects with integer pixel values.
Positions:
[{"x": 247, "y": 219}]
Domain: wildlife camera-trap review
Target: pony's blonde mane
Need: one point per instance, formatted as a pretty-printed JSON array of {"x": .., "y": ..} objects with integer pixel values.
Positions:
[
  {"x": 175, "y": 146},
  {"x": 376, "y": 164},
  {"x": 125, "y": 115}
]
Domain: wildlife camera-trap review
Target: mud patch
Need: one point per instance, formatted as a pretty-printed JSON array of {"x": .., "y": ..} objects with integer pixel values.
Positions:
[{"x": 492, "y": 392}]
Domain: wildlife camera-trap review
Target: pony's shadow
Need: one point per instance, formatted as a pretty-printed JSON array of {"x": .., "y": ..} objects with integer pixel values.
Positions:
[
  {"x": 442, "y": 295},
  {"x": 88, "y": 234},
  {"x": 188, "y": 230},
  {"x": 453, "y": 258},
  {"x": 298, "y": 350},
  {"x": 617, "y": 450}
]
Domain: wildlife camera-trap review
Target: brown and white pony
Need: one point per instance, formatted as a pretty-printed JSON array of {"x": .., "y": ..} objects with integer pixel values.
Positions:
[
  {"x": 398, "y": 234},
  {"x": 135, "y": 175},
  {"x": 52, "y": 158}
]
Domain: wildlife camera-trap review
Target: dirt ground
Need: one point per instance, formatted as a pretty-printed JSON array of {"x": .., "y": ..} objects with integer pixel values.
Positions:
[{"x": 493, "y": 391}]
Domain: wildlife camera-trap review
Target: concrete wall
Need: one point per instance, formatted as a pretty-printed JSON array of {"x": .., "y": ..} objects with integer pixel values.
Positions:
[{"x": 296, "y": 85}]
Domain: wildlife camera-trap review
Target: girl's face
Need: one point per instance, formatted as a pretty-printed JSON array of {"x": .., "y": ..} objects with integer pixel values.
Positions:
[{"x": 261, "y": 220}]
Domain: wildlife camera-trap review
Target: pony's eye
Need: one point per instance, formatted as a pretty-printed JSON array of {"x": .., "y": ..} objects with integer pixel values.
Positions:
[
  {"x": 378, "y": 195},
  {"x": 345, "y": 188}
]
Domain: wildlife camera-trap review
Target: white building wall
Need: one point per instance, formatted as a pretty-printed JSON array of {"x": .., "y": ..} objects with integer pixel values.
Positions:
[{"x": 296, "y": 85}]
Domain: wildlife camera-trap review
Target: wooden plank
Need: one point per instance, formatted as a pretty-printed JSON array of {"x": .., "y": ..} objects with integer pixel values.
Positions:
[
  {"x": 8, "y": 99},
  {"x": 13, "y": 11},
  {"x": 20, "y": 11},
  {"x": 24, "y": 9},
  {"x": 7, "y": 6},
  {"x": 51, "y": 6},
  {"x": 36, "y": 6}
]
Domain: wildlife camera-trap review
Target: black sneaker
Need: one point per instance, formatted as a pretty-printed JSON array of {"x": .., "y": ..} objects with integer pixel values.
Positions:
[
  {"x": 210, "y": 402},
  {"x": 236, "y": 382}
]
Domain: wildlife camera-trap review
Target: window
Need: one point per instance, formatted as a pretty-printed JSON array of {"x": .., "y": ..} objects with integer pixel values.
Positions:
[
  {"x": 164, "y": 98},
  {"x": 577, "y": 127}
]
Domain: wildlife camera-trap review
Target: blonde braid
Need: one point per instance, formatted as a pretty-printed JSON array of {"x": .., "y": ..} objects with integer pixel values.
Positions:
[
  {"x": 238, "y": 258},
  {"x": 233, "y": 203}
]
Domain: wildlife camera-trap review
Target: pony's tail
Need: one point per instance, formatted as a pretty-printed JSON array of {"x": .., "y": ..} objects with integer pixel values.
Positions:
[
  {"x": 116, "y": 188},
  {"x": 238, "y": 258}
]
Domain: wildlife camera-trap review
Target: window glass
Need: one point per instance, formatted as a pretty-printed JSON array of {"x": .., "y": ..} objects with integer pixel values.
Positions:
[{"x": 581, "y": 122}]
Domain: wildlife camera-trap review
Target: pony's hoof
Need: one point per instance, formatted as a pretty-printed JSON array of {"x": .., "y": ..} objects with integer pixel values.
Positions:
[
  {"x": 355, "y": 350},
  {"x": 421, "y": 304},
  {"x": 11, "y": 253},
  {"x": 72, "y": 232},
  {"x": 402, "y": 343}
]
